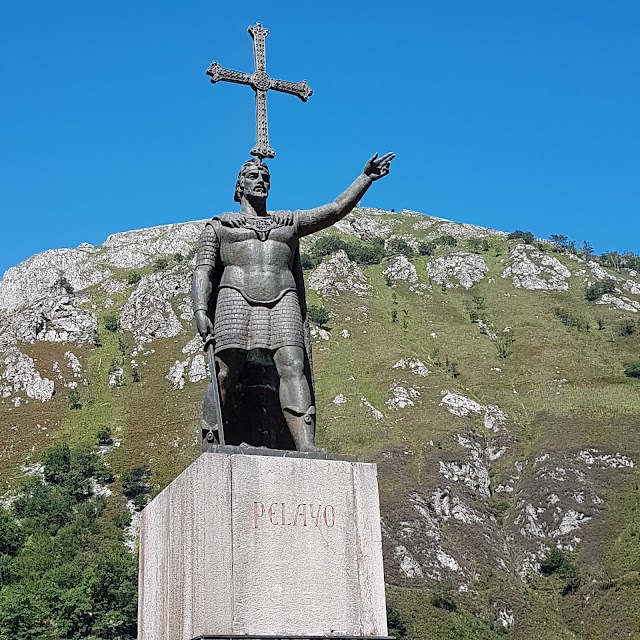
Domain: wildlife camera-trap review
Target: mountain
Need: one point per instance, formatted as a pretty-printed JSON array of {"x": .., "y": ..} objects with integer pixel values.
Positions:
[{"x": 491, "y": 377}]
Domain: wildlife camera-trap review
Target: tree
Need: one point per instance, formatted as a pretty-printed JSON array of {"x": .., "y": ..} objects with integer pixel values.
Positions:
[
  {"x": 399, "y": 246},
  {"x": 598, "y": 289},
  {"x": 559, "y": 240},
  {"x": 526, "y": 236},
  {"x": 318, "y": 315}
]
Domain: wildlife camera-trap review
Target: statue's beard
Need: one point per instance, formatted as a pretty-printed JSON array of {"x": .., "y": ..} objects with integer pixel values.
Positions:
[{"x": 256, "y": 194}]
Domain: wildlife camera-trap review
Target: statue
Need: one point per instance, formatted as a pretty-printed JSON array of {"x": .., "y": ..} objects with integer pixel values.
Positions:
[
  {"x": 248, "y": 296},
  {"x": 248, "y": 292}
]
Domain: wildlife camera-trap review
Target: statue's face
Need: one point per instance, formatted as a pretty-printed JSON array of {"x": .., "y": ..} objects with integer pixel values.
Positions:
[{"x": 256, "y": 181}]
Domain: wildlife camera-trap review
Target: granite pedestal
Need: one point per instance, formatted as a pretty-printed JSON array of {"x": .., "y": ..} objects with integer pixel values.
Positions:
[{"x": 263, "y": 545}]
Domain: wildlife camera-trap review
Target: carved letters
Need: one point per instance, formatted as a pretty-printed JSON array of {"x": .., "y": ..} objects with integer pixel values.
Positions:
[{"x": 305, "y": 514}]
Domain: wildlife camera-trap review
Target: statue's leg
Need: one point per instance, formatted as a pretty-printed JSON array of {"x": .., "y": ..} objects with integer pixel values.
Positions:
[
  {"x": 230, "y": 364},
  {"x": 295, "y": 397}
]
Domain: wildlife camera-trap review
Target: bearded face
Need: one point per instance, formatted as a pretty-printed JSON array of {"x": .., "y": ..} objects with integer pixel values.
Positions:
[{"x": 256, "y": 181}]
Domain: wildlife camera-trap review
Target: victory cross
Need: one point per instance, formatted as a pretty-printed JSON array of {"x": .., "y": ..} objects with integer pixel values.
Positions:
[{"x": 249, "y": 297}]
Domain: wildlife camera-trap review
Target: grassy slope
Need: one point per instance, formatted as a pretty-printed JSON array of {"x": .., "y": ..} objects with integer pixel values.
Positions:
[{"x": 564, "y": 389}]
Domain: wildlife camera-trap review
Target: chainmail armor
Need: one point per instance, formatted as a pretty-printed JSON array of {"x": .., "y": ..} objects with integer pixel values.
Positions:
[{"x": 207, "y": 247}]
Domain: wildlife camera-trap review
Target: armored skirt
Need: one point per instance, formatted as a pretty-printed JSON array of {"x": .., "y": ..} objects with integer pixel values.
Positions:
[{"x": 239, "y": 324}]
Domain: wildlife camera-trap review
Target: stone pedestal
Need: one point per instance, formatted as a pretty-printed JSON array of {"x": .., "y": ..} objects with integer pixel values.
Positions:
[{"x": 263, "y": 545}]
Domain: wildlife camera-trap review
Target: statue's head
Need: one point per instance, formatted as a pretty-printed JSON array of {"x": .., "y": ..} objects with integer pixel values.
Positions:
[{"x": 253, "y": 180}]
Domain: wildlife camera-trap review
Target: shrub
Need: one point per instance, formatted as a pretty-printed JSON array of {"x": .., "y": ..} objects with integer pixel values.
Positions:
[
  {"x": 104, "y": 436},
  {"x": 160, "y": 264},
  {"x": 627, "y": 327},
  {"x": 74, "y": 399},
  {"x": 503, "y": 343},
  {"x": 178, "y": 257},
  {"x": 426, "y": 248},
  {"x": 133, "y": 278},
  {"x": 57, "y": 463},
  {"x": 307, "y": 261},
  {"x": 447, "y": 241},
  {"x": 399, "y": 246},
  {"x": 632, "y": 370},
  {"x": 526, "y": 236},
  {"x": 598, "y": 289},
  {"x": 570, "y": 319},
  {"x": 318, "y": 315},
  {"x": 442, "y": 597},
  {"x": 396, "y": 626},
  {"x": 64, "y": 284},
  {"x": 136, "y": 485},
  {"x": 111, "y": 322}
]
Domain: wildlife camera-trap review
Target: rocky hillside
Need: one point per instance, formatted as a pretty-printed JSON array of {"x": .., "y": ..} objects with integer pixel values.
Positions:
[{"x": 468, "y": 364}]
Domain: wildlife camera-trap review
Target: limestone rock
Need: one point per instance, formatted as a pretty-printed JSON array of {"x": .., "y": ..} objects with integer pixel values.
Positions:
[
  {"x": 36, "y": 278},
  {"x": 531, "y": 269},
  {"x": 53, "y": 319},
  {"x": 136, "y": 249},
  {"x": 623, "y": 303},
  {"x": 463, "y": 231},
  {"x": 400, "y": 268},
  {"x": 18, "y": 373},
  {"x": 457, "y": 269},
  {"x": 413, "y": 364},
  {"x": 148, "y": 312},
  {"x": 402, "y": 397},
  {"x": 364, "y": 227},
  {"x": 338, "y": 273}
]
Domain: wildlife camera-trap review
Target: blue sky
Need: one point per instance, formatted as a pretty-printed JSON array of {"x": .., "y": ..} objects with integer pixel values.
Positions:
[{"x": 514, "y": 115}]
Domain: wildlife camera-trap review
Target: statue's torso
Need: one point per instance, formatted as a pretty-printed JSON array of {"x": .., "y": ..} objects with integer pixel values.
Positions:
[{"x": 259, "y": 269}]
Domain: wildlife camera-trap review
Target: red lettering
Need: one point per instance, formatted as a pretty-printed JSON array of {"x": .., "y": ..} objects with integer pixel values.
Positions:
[
  {"x": 258, "y": 512},
  {"x": 275, "y": 504},
  {"x": 303, "y": 514},
  {"x": 283, "y": 520},
  {"x": 328, "y": 518},
  {"x": 315, "y": 517}
]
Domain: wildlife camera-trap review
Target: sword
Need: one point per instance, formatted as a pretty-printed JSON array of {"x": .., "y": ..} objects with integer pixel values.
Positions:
[{"x": 211, "y": 409}]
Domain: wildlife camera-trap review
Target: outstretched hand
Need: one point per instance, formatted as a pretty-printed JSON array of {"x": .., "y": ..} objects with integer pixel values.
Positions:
[{"x": 377, "y": 168}]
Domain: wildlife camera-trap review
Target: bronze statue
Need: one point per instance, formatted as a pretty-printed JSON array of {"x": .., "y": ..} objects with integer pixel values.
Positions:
[{"x": 249, "y": 301}]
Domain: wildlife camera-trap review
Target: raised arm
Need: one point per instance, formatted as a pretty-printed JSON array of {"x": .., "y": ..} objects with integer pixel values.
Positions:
[{"x": 313, "y": 220}]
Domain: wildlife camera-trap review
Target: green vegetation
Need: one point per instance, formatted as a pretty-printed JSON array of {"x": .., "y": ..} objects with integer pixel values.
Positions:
[
  {"x": 64, "y": 571},
  {"x": 111, "y": 322},
  {"x": 632, "y": 370},
  {"x": 318, "y": 315},
  {"x": 598, "y": 289},
  {"x": 526, "y": 236},
  {"x": 360, "y": 252}
]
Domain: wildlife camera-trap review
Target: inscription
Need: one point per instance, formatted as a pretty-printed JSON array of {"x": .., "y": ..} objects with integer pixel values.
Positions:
[{"x": 304, "y": 514}]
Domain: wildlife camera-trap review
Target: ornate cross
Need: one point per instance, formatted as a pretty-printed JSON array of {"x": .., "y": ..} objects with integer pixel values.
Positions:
[{"x": 261, "y": 83}]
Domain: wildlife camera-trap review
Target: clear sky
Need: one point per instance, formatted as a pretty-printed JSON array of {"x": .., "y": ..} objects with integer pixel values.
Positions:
[{"x": 514, "y": 115}]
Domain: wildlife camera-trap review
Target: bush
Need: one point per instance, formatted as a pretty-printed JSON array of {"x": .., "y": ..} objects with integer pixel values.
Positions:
[
  {"x": 318, "y": 315},
  {"x": 74, "y": 399},
  {"x": 64, "y": 284},
  {"x": 570, "y": 319},
  {"x": 133, "y": 278},
  {"x": 557, "y": 563},
  {"x": 178, "y": 257},
  {"x": 447, "y": 241},
  {"x": 598, "y": 289},
  {"x": 627, "y": 327},
  {"x": 395, "y": 625},
  {"x": 160, "y": 264},
  {"x": 632, "y": 370},
  {"x": 399, "y": 246},
  {"x": 111, "y": 322},
  {"x": 443, "y": 597},
  {"x": 526, "y": 236},
  {"x": 426, "y": 248},
  {"x": 307, "y": 261},
  {"x": 104, "y": 436},
  {"x": 136, "y": 485}
]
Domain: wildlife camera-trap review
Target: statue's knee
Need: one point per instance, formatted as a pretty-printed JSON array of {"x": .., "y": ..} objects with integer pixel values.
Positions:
[{"x": 291, "y": 367}]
